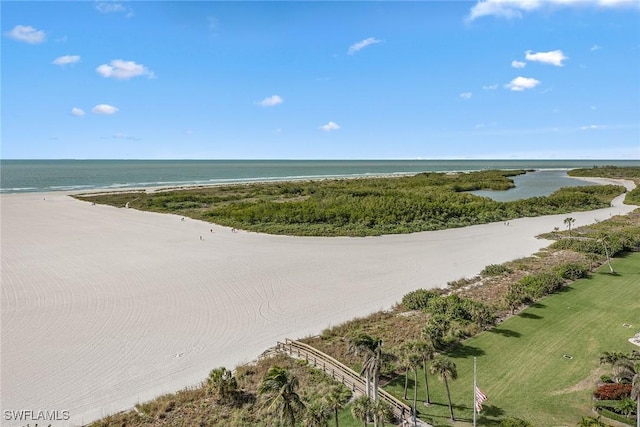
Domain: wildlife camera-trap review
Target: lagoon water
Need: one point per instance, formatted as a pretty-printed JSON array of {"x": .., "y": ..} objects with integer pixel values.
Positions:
[{"x": 19, "y": 176}]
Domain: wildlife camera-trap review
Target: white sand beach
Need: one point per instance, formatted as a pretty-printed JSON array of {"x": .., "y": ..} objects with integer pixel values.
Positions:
[{"x": 103, "y": 308}]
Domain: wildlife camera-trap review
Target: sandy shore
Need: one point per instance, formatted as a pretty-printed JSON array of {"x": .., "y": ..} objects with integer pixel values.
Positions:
[{"x": 104, "y": 307}]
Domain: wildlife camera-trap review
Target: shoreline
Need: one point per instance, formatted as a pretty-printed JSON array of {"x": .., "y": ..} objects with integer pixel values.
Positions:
[
  {"x": 103, "y": 308},
  {"x": 81, "y": 189}
]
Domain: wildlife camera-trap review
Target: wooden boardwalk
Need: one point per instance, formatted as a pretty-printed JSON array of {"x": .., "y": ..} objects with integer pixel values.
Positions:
[{"x": 342, "y": 373}]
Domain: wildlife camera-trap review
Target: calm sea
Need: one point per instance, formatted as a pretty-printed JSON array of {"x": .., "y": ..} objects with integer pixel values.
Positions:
[{"x": 17, "y": 176}]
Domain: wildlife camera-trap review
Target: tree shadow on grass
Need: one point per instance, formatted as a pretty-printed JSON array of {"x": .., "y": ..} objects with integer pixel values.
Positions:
[
  {"x": 398, "y": 381},
  {"x": 506, "y": 332},
  {"x": 437, "y": 420},
  {"x": 537, "y": 305},
  {"x": 491, "y": 411},
  {"x": 608, "y": 273},
  {"x": 529, "y": 316},
  {"x": 464, "y": 351},
  {"x": 490, "y": 415}
]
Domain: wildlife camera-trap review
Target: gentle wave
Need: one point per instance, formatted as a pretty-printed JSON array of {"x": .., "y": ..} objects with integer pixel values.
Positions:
[{"x": 18, "y": 176}]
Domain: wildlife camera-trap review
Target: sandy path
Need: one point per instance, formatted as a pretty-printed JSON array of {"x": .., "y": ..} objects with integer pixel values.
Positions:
[{"x": 104, "y": 307}]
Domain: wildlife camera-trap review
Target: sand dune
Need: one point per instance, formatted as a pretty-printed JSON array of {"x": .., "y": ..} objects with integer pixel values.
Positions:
[{"x": 104, "y": 307}]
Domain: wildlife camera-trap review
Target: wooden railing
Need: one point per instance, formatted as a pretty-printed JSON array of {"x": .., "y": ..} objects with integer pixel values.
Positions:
[{"x": 340, "y": 372}]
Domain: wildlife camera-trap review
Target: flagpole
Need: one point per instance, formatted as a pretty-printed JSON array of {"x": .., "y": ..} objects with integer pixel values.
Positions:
[{"x": 475, "y": 385}]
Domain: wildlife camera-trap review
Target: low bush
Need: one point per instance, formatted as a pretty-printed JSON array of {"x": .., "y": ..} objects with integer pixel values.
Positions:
[
  {"x": 606, "y": 379},
  {"x": 515, "y": 422},
  {"x": 539, "y": 285},
  {"x": 495, "y": 270},
  {"x": 572, "y": 271},
  {"x": 418, "y": 299},
  {"x": 616, "y": 417},
  {"x": 615, "y": 391}
]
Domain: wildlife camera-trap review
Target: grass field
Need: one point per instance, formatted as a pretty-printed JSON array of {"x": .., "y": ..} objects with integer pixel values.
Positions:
[{"x": 521, "y": 367}]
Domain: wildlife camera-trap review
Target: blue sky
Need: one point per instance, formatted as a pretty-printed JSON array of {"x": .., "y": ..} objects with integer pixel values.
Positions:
[{"x": 532, "y": 79}]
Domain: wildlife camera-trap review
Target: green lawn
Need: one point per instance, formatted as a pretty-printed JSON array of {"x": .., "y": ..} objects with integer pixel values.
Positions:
[{"x": 521, "y": 366}]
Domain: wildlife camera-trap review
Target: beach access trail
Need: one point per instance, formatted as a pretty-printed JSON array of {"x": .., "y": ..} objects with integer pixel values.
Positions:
[{"x": 103, "y": 308}]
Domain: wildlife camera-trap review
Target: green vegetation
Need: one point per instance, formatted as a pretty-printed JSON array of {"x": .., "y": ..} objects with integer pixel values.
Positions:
[
  {"x": 614, "y": 172},
  {"x": 495, "y": 270},
  {"x": 273, "y": 391},
  {"x": 526, "y": 352},
  {"x": 632, "y": 173},
  {"x": 361, "y": 207},
  {"x": 542, "y": 366}
]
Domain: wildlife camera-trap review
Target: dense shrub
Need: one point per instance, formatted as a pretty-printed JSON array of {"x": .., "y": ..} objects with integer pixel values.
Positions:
[
  {"x": 360, "y": 207},
  {"x": 515, "y": 422},
  {"x": 579, "y": 245},
  {"x": 633, "y": 197},
  {"x": 615, "y": 391},
  {"x": 539, "y": 285},
  {"x": 418, "y": 299},
  {"x": 606, "y": 379},
  {"x": 495, "y": 270},
  {"x": 572, "y": 271},
  {"x": 614, "y": 416}
]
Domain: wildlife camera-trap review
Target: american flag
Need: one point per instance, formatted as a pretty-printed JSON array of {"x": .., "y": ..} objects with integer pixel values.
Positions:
[{"x": 480, "y": 397}]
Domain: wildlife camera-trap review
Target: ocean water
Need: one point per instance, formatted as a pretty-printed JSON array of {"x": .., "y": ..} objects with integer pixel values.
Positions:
[{"x": 17, "y": 176}]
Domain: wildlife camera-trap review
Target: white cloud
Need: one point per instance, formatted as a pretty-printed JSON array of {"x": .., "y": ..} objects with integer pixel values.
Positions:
[
  {"x": 125, "y": 136},
  {"x": 491, "y": 87},
  {"x": 107, "y": 7},
  {"x": 554, "y": 57},
  {"x": 119, "y": 69},
  {"x": 521, "y": 83},
  {"x": 66, "y": 59},
  {"x": 78, "y": 112},
  {"x": 113, "y": 7},
  {"x": 27, "y": 34},
  {"x": 591, "y": 127},
  {"x": 104, "y": 109},
  {"x": 466, "y": 95},
  {"x": 595, "y": 47},
  {"x": 518, "y": 64},
  {"x": 362, "y": 44},
  {"x": 331, "y": 126},
  {"x": 271, "y": 101},
  {"x": 516, "y": 8}
]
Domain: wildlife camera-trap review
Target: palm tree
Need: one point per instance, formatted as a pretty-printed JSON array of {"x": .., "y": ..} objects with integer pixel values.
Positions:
[
  {"x": 336, "y": 399},
  {"x": 446, "y": 369},
  {"x": 611, "y": 357},
  {"x": 375, "y": 358},
  {"x": 414, "y": 362},
  {"x": 405, "y": 351},
  {"x": 279, "y": 389},
  {"x": 426, "y": 352},
  {"x": 222, "y": 382},
  {"x": 362, "y": 409},
  {"x": 606, "y": 243},
  {"x": 591, "y": 422},
  {"x": 625, "y": 369},
  {"x": 365, "y": 345},
  {"x": 317, "y": 414},
  {"x": 381, "y": 411},
  {"x": 635, "y": 394},
  {"x": 568, "y": 222},
  {"x": 626, "y": 406}
]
